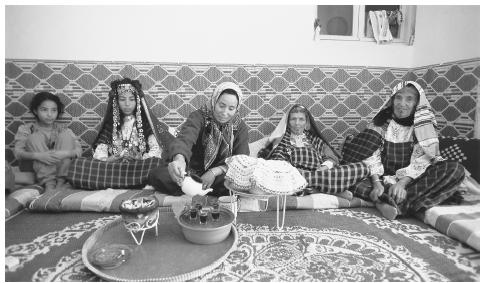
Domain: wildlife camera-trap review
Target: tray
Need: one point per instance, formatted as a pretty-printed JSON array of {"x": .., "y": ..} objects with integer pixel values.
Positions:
[{"x": 158, "y": 258}]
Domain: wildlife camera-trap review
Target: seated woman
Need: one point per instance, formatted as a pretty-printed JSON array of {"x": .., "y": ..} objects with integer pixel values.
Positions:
[
  {"x": 50, "y": 145},
  {"x": 129, "y": 132},
  {"x": 298, "y": 141},
  {"x": 206, "y": 139},
  {"x": 401, "y": 148}
]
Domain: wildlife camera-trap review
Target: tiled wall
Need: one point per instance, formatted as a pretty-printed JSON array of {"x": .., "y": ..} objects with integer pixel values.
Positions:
[{"x": 341, "y": 98}]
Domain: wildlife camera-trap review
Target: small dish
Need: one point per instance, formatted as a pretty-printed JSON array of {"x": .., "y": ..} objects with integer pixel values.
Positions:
[
  {"x": 110, "y": 256},
  {"x": 139, "y": 205}
]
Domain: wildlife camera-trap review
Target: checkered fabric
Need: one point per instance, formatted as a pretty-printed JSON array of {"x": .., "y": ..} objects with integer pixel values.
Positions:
[
  {"x": 90, "y": 174},
  {"x": 337, "y": 179},
  {"x": 395, "y": 156},
  {"x": 361, "y": 146},
  {"x": 305, "y": 158},
  {"x": 437, "y": 184}
]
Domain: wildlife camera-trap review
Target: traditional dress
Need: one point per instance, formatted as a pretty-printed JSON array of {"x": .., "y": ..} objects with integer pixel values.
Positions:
[
  {"x": 205, "y": 143},
  {"x": 139, "y": 136},
  {"x": 310, "y": 151},
  {"x": 33, "y": 138},
  {"x": 397, "y": 149},
  {"x": 140, "y": 141}
]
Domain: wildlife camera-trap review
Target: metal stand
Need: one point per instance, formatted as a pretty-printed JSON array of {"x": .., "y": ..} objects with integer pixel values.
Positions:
[
  {"x": 283, "y": 197},
  {"x": 150, "y": 222}
]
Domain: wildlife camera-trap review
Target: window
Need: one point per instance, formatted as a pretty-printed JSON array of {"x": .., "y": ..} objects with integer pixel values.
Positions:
[{"x": 351, "y": 22}]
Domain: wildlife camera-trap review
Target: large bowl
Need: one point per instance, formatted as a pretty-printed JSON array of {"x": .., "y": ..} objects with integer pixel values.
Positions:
[{"x": 206, "y": 234}]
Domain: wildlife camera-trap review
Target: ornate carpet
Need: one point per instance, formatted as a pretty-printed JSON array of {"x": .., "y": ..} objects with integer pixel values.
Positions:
[{"x": 326, "y": 245}]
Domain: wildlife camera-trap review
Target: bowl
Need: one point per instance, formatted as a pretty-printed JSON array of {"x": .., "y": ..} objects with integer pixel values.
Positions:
[
  {"x": 206, "y": 234},
  {"x": 139, "y": 213}
]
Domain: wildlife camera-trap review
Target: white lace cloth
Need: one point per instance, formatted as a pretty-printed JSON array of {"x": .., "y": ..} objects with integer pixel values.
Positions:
[{"x": 260, "y": 176}]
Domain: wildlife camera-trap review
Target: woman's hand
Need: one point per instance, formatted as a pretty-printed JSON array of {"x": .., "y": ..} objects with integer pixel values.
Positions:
[
  {"x": 207, "y": 179},
  {"x": 322, "y": 168},
  {"x": 397, "y": 192},
  {"x": 377, "y": 191},
  {"x": 49, "y": 157},
  {"x": 177, "y": 169}
]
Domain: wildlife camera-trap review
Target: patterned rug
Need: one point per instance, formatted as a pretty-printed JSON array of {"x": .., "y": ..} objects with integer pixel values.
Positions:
[{"x": 327, "y": 245}]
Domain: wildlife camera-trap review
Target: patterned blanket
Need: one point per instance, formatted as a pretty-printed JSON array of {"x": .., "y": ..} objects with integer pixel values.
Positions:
[
  {"x": 322, "y": 245},
  {"x": 458, "y": 222}
]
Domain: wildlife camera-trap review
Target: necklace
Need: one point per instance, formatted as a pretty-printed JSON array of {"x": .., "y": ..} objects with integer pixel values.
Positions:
[{"x": 127, "y": 138}]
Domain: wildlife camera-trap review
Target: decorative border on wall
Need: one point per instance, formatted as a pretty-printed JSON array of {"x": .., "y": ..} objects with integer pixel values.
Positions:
[{"x": 342, "y": 98}]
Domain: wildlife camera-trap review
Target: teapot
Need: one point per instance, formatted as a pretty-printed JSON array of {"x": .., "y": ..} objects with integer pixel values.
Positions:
[{"x": 192, "y": 185}]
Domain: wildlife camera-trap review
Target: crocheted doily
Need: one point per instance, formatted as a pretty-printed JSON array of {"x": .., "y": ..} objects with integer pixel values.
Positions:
[
  {"x": 277, "y": 177},
  {"x": 259, "y": 176},
  {"x": 240, "y": 171}
]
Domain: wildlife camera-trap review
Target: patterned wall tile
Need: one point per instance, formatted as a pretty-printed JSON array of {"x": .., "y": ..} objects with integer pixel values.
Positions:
[{"x": 342, "y": 98}]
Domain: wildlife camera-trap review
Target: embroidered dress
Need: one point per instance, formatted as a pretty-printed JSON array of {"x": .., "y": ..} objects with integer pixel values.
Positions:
[
  {"x": 128, "y": 143},
  {"x": 138, "y": 142},
  {"x": 393, "y": 151}
]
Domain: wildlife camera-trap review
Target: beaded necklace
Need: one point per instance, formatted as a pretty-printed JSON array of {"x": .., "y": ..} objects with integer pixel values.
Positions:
[{"x": 138, "y": 124}]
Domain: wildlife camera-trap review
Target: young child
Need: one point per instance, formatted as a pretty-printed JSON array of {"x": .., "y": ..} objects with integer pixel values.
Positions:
[{"x": 48, "y": 144}]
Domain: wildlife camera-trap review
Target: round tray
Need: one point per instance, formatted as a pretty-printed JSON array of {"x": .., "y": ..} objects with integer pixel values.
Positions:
[{"x": 158, "y": 258}]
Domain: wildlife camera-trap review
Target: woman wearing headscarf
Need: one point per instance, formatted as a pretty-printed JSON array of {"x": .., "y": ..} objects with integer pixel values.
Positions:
[
  {"x": 129, "y": 130},
  {"x": 206, "y": 139},
  {"x": 408, "y": 175},
  {"x": 131, "y": 142},
  {"x": 298, "y": 141}
]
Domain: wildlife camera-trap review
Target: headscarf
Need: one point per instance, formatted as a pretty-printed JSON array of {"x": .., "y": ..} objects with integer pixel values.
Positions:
[
  {"x": 146, "y": 123},
  {"x": 282, "y": 129},
  {"x": 424, "y": 121},
  {"x": 219, "y": 138}
]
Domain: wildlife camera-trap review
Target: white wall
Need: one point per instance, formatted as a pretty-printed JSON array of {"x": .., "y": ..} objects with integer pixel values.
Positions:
[
  {"x": 225, "y": 34},
  {"x": 446, "y": 33}
]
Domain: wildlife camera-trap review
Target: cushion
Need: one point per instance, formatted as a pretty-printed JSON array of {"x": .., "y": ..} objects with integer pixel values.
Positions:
[
  {"x": 19, "y": 199},
  {"x": 256, "y": 146},
  {"x": 464, "y": 150},
  {"x": 99, "y": 201}
]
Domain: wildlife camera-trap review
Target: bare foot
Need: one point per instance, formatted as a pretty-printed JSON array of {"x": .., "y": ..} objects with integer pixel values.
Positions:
[
  {"x": 389, "y": 212},
  {"x": 346, "y": 195}
]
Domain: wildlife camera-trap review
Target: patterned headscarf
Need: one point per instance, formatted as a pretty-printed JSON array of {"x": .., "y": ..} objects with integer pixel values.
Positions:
[
  {"x": 110, "y": 126},
  {"x": 424, "y": 120},
  {"x": 282, "y": 129},
  {"x": 219, "y": 138}
]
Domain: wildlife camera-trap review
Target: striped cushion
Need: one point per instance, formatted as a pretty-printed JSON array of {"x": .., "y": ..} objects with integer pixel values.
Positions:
[
  {"x": 100, "y": 201},
  {"x": 20, "y": 198}
]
